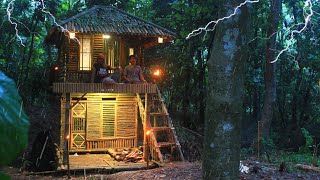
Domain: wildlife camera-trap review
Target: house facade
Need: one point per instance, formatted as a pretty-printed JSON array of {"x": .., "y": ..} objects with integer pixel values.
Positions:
[{"x": 95, "y": 117}]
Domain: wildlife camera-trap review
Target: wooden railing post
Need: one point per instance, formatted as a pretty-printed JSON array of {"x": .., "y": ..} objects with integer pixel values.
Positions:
[{"x": 146, "y": 125}]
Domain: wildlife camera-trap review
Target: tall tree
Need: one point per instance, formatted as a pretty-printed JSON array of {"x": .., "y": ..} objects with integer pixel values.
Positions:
[
  {"x": 270, "y": 68},
  {"x": 221, "y": 154}
]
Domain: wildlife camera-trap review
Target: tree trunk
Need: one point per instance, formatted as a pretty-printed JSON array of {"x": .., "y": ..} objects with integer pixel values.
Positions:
[
  {"x": 256, "y": 91},
  {"x": 201, "y": 86},
  {"x": 221, "y": 153},
  {"x": 187, "y": 121},
  {"x": 270, "y": 78}
]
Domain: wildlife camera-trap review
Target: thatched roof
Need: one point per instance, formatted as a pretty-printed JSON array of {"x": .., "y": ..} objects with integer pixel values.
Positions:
[{"x": 108, "y": 19}]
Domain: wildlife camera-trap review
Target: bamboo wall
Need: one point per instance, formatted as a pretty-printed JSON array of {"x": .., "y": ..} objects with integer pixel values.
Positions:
[{"x": 101, "y": 121}]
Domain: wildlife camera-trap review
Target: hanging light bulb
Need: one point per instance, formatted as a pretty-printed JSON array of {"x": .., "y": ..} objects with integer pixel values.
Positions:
[{"x": 160, "y": 40}]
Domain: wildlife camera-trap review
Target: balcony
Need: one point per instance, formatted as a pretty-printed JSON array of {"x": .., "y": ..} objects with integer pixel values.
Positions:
[{"x": 62, "y": 87}]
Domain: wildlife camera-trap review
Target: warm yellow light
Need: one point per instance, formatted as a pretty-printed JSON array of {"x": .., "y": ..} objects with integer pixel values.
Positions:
[
  {"x": 68, "y": 137},
  {"x": 156, "y": 72},
  {"x": 160, "y": 40},
  {"x": 56, "y": 68},
  {"x": 131, "y": 51},
  {"x": 106, "y": 36},
  {"x": 148, "y": 132},
  {"x": 72, "y": 35}
]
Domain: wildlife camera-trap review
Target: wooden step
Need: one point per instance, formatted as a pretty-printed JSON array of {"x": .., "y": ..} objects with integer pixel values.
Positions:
[
  {"x": 158, "y": 100},
  {"x": 158, "y": 114},
  {"x": 160, "y": 128},
  {"x": 166, "y": 144}
]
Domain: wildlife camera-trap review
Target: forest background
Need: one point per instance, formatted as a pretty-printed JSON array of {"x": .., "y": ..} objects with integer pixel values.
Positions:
[{"x": 289, "y": 87}]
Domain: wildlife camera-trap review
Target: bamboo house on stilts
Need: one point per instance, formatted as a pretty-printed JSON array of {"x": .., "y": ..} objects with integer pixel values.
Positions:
[{"x": 96, "y": 118}]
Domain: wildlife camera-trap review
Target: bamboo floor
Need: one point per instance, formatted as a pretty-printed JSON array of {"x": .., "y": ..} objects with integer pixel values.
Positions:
[{"x": 102, "y": 161}]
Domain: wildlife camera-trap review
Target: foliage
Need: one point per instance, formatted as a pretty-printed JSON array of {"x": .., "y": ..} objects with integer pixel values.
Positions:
[
  {"x": 309, "y": 141},
  {"x": 4, "y": 177},
  {"x": 291, "y": 159},
  {"x": 13, "y": 121}
]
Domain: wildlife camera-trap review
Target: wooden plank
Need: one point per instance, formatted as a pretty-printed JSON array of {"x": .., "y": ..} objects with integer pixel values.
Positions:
[{"x": 165, "y": 144}]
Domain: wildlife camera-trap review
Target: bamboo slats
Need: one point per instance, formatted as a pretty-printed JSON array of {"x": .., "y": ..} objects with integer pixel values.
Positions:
[
  {"x": 103, "y": 88},
  {"x": 98, "y": 45},
  {"x": 126, "y": 123},
  {"x": 93, "y": 121},
  {"x": 108, "y": 119},
  {"x": 111, "y": 143}
]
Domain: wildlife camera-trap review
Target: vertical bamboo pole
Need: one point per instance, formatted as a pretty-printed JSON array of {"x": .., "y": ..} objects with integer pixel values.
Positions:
[
  {"x": 258, "y": 140},
  {"x": 67, "y": 133},
  {"x": 147, "y": 150},
  {"x": 145, "y": 125}
]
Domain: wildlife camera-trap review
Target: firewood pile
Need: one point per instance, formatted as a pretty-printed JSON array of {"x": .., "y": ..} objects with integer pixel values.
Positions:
[{"x": 126, "y": 154}]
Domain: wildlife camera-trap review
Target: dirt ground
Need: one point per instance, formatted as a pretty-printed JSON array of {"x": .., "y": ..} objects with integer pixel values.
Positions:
[{"x": 176, "y": 170}]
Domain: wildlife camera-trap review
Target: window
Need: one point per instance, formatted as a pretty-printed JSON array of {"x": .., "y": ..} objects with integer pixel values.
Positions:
[
  {"x": 111, "y": 49},
  {"x": 85, "y": 53}
]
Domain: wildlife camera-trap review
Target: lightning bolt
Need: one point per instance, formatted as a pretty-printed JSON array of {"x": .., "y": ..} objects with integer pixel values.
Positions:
[
  {"x": 307, "y": 4},
  {"x": 206, "y": 28},
  {"x": 9, "y": 10},
  {"x": 307, "y": 19},
  {"x": 65, "y": 31}
]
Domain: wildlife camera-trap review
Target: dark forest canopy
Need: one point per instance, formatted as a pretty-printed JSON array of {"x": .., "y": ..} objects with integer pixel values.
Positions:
[{"x": 285, "y": 94}]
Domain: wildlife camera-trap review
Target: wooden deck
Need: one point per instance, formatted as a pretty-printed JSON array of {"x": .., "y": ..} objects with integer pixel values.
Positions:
[
  {"x": 102, "y": 161},
  {"x": 103, "y": 88}
]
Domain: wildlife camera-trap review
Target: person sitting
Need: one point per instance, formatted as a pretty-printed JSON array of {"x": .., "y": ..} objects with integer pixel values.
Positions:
[
  {"x": 100, "y": 71},
  {"x": 133, "y": 73}
]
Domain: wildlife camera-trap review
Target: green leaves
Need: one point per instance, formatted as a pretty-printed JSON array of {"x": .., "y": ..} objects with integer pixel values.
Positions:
[{"x": 14, "y": 123}]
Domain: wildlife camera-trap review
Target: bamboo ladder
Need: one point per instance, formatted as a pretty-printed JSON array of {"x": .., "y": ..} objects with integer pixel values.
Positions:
[{"x": 162, "y": 140}]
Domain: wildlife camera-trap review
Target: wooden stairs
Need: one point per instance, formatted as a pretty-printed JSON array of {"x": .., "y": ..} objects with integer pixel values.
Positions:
[{"x": 160, "y": 138}]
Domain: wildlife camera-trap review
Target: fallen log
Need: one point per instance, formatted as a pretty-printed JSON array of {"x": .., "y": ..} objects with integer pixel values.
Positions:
[
  {"x": 307, "y": 168},
  {"x": 112, "y": 152}
]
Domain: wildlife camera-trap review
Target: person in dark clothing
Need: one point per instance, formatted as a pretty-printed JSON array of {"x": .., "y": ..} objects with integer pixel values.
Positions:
[{"x": 100, "y": 71}]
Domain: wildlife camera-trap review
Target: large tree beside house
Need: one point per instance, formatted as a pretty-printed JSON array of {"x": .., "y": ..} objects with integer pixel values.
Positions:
[{"x": 221, "y": 153}]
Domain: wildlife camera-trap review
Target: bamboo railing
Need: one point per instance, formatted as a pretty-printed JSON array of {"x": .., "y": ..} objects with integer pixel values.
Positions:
[{"x": 103, "y": 88}]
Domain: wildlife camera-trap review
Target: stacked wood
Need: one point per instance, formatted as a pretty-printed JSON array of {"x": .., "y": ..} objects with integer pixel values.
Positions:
[
  {"x": 127, "y": 155},
  {"x": 113, "y": 153}
]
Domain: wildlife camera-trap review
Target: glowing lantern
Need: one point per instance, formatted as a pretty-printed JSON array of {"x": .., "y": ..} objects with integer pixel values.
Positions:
[
  {"x": 156, "y": 72},
  {"x": 160, "y": 40},
  {"x": 72, "y": 35},
  {"x": 148, "y": 132},
  {"x": 106, "y": 36}
]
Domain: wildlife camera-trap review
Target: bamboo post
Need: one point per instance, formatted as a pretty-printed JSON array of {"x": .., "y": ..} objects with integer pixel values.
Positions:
[
  {"x": 147, "y": 150},
  {"x": 67, "y": 133},
  {"x": 258, "y": 140},
  {"x": 145, "y": 125}
]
